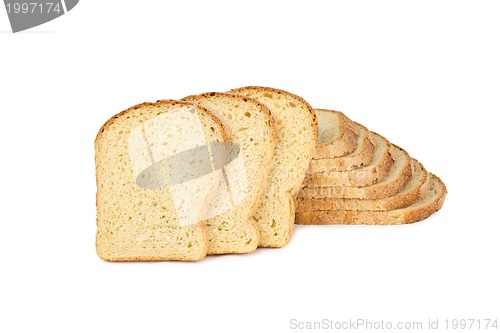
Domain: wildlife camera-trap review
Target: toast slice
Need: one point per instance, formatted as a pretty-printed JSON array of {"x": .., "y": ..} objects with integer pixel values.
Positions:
[
  {"x": 337, "y": 134},
  {"x": 364, "y": 176},
  {"x": 361, "y": 156},
  {"x": 429, "y": 203},
  {"x": 252, "y": 127},
  {"x": 297, "y": 138},
  {"x": 398, "y": 176},
  {"x": 409, "y": 194},
  {"x": 139, "y": 215}
]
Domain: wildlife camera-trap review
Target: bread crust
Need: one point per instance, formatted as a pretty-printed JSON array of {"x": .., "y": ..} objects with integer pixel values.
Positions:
[
  {"x": 278, "y": 91},
  {"x": 363, "y": 176},
  {"x": 374, "y": 191},
  {"x": 404, "y": 198},
  {"x": 410, "y": 214}
]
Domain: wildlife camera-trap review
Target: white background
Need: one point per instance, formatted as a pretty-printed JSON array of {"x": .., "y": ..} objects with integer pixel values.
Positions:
[{"x": 425, "y": 74}]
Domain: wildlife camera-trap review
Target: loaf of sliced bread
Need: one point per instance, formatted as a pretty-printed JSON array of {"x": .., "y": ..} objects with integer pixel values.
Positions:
[
  {"x": 297, "y": 138},
  {"x": 337, "y": 134},
  {"x": 251, "y": 126},
  {"x": 430, "y": 202},
  {"x": 138, "y": 216},
  {"x": 409, "y": 194},
  {"x": 397, "y": 178},
  {"x": 364, "y": 176},
  {"x": 361, "y": 156}
]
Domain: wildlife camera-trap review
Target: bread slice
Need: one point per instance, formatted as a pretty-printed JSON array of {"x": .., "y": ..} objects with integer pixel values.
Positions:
[
  {"x": 138, "y": 216},
  {"x": 397, "y": 178},
  {"x": 297, "y": 138},
  {"x": 429, "y": 203},
  {"x": 337, "y": 134},
  {"x": 409, "y": 194},
  {"x": 364, "y": 176},
  {"x": 252, "y": 127},
  {"x": 361, "y": 156}
]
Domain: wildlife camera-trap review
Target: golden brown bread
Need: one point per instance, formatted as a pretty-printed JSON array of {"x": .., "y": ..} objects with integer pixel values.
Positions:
[{"x": 431, "y": 202}]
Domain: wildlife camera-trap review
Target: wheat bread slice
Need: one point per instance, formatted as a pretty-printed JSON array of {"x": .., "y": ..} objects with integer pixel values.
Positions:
[
  {"x": 297, "y": 139},
  {"x": 137, "y": 220},
  {"x": 337, "y": 134},
  {"x": 428, "y": 204},
  {"x": 361, "y": 156},
  {"x": 251, "y": 126},
  {"x": 363, "y": 176},
  {"x": 397, "y": 178},
  {"x": 409, "y": 194}
]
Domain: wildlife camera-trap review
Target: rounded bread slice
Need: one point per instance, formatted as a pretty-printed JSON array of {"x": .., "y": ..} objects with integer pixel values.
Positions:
[
  {"x": 364, "y": 176},
  {"x": 409, "y": 194},
  {"x": 337, "y": 134},
  {"x": 397, "y": 178},
  {"x": 428, "y": 204},
  {"x": 361, "y": 156}
]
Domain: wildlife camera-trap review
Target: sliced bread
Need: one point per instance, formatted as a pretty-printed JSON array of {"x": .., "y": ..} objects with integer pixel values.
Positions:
[
  {"x": 361, "y": 156},
  {"x": 337, "y": 134},
  {"x": 297, "y": 138},
  {"x": 429, "y": 203},
  {"x": 138, "y": 218},
  {"x": 251, "y": 126},
  {"x": 408, "y": 195},
  {"x": 364, "y": 176},
  {"x": 397, "y": 178}
]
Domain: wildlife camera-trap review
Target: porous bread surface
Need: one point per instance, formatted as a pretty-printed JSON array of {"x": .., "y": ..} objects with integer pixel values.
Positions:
[
  {"x": 409, "y": 194},
  {"x": 251, "y": 126},
  {"x": 361, "y": 156},
  {"x": 397, "y": 178},
  {"x": 363, "y": 176},
  {"x": 297, "y": 138},
  {"x": 429, "y": 203},
  {"x": 337, "y": 134},
  {"x": 135, "y": 223}
]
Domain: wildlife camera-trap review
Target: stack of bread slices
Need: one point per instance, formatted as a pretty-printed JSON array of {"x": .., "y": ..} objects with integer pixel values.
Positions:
[
  {"x": 227, "y": 172},
  {"x": 358, "y": 177}
]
